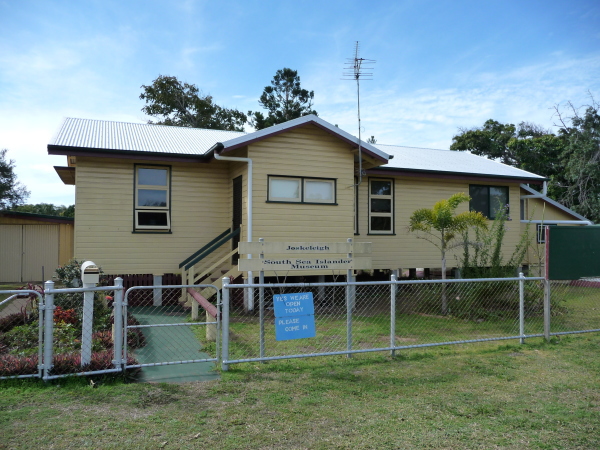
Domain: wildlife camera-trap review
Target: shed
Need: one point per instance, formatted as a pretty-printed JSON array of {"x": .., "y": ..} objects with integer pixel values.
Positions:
[{"x": 32, "y": 246}]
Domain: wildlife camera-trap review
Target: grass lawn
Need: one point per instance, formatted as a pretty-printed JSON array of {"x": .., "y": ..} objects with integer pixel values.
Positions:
[{"x": 536, "y": 396}]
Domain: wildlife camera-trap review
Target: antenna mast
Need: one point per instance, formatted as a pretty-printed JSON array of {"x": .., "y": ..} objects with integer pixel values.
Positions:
[{"x": 354, "y": 70}]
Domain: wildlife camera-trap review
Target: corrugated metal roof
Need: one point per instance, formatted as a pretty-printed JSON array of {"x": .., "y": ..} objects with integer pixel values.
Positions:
[
  {"x": 427, "y": 159},
  {"x": 107, "y": 135}
]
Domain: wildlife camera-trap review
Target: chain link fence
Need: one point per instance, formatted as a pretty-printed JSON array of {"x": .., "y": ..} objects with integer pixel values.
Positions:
[
  {"x": 168, "y": 325},
  {"x": 395, "y": 315},
  {"x": 575, "y": 306},
  {"x": 79, "y": 331}
]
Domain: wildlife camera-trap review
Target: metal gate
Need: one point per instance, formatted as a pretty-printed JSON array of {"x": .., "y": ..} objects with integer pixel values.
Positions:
[{"x": 172, "y": 325}]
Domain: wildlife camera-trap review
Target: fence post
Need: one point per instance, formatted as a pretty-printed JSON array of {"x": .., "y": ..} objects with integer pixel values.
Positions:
[
  {"x": 118, "y": 319},
  {"x": 48, "y": 327},
  {"x": 261, "y": 306},
  {"x": 348, "y": 314},
  {"x": 522, "y": 307},
  {"x": 393, "y": 288},
  {"x": 547, "y": 309},
  {"x": 225, "y": 326}
]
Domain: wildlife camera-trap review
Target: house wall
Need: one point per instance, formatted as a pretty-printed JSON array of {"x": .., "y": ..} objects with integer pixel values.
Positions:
[
  {"x": 200, "y": 210},
  {"x": 404, "y": 250},
  {"x": 304, "y": 152}
]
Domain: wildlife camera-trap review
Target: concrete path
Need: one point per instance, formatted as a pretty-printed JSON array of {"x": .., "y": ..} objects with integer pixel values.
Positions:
[{"x": 172, "y": 344}]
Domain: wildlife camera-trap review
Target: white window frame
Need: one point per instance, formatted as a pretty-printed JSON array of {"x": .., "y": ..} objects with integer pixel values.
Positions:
[
  {"x": 152, "y": 209},
  {"x": 272, "y": 198},
  {"x": 380, "y": 214},
  {"x": 302, "y": 183}
]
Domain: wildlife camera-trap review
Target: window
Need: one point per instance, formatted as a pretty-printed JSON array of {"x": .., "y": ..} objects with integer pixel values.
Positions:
[
  {"x": 541, "y": 232},
  {"x": 152, "y": 198},
  {"x": 488, "y": 199},
  {"x": 381, "y": 206},
  {"x": 302, "y": 190}
]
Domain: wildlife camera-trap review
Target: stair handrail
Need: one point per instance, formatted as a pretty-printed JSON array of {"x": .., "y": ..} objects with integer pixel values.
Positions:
[
  {"x": 208, "y": 249},
  {"x": 196, "y": 253}
]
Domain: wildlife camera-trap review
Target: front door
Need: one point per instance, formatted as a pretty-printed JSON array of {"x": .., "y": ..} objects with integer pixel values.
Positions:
[{"x": 236, "y": 215}]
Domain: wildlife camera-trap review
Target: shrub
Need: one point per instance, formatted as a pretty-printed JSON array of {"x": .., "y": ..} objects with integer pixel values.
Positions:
[
  {"x": 22, "y": 340},
  {"x": 65, "y": 316},
  {"x": 11, "y": 365}
]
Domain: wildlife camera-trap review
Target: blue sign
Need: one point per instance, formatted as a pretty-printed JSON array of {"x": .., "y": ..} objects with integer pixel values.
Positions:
[
  {"x": 295, "y": 327},
  {"x": 294, "y": 316},
  {"x": 293, "y": 304}
]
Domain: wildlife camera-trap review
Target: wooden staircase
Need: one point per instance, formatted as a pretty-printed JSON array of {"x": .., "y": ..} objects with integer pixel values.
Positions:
[{"x": 208, "y": 265}]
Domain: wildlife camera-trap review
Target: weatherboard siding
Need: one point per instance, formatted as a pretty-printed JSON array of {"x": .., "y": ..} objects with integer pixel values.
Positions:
[
  {"x": 405, "y": 250},
  {"x": 104, "y": 215},
  {"x": 303, "y": 152}
]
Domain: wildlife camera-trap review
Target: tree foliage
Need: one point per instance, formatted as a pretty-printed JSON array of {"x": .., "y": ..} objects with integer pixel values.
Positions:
[
  {"x": 181, "y": 104},
  {"x": 12, "y": 192},
  {"x": 47, "y": 209},
  {"x": 440, "y": 225},
  {"x": 284, "y": 100},
  {"x": 581, "y": 160},
  {"x": 570, "y": 159},
  {"x": 526, "y": 146}
]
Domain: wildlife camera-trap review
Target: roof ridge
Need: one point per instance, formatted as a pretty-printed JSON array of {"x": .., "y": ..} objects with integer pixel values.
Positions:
[{"x": 410, "y": 146}]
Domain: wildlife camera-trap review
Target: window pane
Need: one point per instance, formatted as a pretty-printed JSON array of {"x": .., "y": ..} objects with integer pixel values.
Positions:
[
  {"x": 479, "y": 199},
  {"x": 381, "y": 187},
  {"x": 381, "y": 224},
  {"x": 381, "y": 205},
  {"x": 151, "y": 218},
  {"x": 152, "y": 177},
  {"x": 150, "y": 197},
  {"x": 318, "y": 190},
  {"x": 498, "y": 199},
  {"x": 289, "y": 189}
]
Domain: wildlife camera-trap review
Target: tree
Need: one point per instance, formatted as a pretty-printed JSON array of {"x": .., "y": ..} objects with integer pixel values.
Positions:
[
  {"x": 581, "y": 160},
  {"x": 526, "y": 146},
  {"x": 47, "y": 209},
  {"x": 183, "y": 105},
  {"x": 440, "y": 225},
  {"x": 12, "y": 192},
  {"x": 284, "y": 100}
]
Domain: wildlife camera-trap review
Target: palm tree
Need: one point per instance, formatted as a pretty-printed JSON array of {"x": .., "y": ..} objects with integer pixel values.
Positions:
[{"x": 440, "y": 225}]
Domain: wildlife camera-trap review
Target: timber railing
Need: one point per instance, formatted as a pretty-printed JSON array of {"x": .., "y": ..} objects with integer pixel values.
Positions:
[{"x": 199, "y": 266}]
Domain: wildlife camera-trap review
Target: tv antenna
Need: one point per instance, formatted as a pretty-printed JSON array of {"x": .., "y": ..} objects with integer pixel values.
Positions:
[{"x": 354, "y": 70}]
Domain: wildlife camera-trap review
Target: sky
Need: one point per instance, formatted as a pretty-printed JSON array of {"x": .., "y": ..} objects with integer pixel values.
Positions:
[{"x": 440, "y": 65}]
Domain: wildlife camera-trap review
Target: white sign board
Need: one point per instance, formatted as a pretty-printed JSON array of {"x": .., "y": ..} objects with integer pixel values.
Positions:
[
  {"x": 306, "y": 263},
  {"x": 297, "y": 248}
]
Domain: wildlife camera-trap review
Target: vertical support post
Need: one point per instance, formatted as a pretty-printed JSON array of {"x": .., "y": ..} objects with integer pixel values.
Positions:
[
  {"x": 321, "y": 290},
  {"x": 349, "y": 307},
  {"x": 225, "y": 326},
  {"x": 48, "y": 327},
  {"x": 261, "y": 306},
  {"x": 87, "y": 324},
  {"x": 157, "y": 291},
  {"x": 118, "y": 326},
  {"x": 522, "y": 307},
  {"x": 393, "y": 288},
  {"x": 183, "y": 297},
  {"x": 547, "y": 310}
]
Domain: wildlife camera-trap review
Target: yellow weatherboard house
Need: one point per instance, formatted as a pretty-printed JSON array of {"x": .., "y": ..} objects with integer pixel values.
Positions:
[{"x": 155, "y": 199}]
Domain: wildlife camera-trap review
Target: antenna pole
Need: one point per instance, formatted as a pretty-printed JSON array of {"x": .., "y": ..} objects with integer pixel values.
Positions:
[{"x": 355, "y": 66}]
